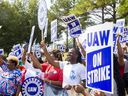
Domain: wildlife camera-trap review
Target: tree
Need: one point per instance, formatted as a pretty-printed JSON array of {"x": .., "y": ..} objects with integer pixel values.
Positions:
[
  {"x": 122, "y": 10},
  {"x": 59, "y": 9},
  {"x": 16, "y": 21},
  {"x": 100, "y": 10}
]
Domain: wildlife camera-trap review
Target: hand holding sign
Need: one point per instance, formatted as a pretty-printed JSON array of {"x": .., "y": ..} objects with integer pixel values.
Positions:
[
  {"x": 68, "y": 87},
  {"x": 78, "y": 42},
  {"x": 43, "y": 45}
]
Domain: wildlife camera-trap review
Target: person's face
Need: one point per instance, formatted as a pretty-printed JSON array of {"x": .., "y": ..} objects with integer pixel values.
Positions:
[
  {"x": 53, "y": 56},
  {"x": 72, "y": 55},
  {"x": 11, "y": 65}
]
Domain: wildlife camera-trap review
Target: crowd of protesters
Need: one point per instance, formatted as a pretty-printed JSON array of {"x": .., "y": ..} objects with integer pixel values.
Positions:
[{"x": 64, "y": 77}]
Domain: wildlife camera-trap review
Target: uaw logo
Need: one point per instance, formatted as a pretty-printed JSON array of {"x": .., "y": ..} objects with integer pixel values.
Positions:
[{"x": 32, "y": 86}]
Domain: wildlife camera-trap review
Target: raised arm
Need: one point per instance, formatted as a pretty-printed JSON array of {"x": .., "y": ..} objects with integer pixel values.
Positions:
[
  {"x": 24, "y": 56},
  {"x": 120, "y": 52},
  {"x": 48, "y": 57},
  {"x": 81, "y": 47},
  {"x": 25, "y": 48},
  {"x": 35, "y": 61}
]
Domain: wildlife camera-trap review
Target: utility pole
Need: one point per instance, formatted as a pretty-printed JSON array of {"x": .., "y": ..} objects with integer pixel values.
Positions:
[
  {"x": 67, "y": 38},
  {"x": 103, "y": 14},
  {"x": 74, "y": 41}
]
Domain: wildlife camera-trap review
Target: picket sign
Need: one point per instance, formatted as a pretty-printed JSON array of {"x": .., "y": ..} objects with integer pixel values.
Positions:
[
  {"x": 46, "y": 28},
  {"x": 69, "y": 19},
  {"x": 42, "y": 16},
  {"x": 73, "y": 25},
  {"x": 119, "y": 28},
  {"x": 1, "y": 51},
  {"x": 99, "y": 52},
  {"x": 37, "y": 50},
  {"x": 17, "y": 51},
  {"x": 54, "y": 30},
  {"x": 125, "y": 37},
  {"x": 31, "y": 39}
]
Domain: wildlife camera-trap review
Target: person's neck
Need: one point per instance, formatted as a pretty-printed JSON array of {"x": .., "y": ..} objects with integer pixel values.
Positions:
[
  {"x": 12, "y": 69},
  {"x": 73, "y": 62}
]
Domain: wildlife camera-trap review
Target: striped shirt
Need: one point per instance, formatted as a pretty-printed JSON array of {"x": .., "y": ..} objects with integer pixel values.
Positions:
[
  {"x": 9, "y": 82},
  {"x": 4, "y": 67}
]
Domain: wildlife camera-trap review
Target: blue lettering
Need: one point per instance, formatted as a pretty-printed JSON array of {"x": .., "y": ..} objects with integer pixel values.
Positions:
[
  {"x": 95, "y": 42},
  {"x": 115, "y": 29},
  {"x": 121, "y": 29},
  {"x": 114, "y": 37},
  {"x": 68, "y": 19},
  {"x": 89, "y": 39},
  {"x": 89, "y": 78},
  {"x": 98, "y": 38},
  {"x": 65, "y": 20},
  {"x": 32, "y": 89},
  {"x": 98, "y": 75},
  {"x": 104, "y": 37},
  {"x": 72, "y": 17}
]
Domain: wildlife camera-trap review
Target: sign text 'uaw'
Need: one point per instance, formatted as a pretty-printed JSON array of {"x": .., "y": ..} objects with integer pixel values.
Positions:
[{"x": 99, "y": 46}]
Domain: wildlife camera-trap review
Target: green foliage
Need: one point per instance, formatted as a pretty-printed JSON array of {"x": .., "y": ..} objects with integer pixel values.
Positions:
[
  {"x": 84, "y": 6},
  {"x": 16, "y": 21},
  {"x": 18, "y": 18},
  {"x": 98, "y": 8},
  {"x": 59, "y": 9},
  {"x": 123, "y": 8}
]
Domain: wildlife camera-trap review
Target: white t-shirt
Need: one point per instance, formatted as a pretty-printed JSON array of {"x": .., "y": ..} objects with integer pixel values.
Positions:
[
  {"x": 72, "y": 73},
  {"x": 33, "y": 72}
]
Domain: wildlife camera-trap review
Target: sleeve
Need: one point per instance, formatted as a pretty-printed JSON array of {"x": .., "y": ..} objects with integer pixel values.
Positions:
[
  {"x": 60, "y": 78},
  {"x": 62, "y": 64},
  {"x": 44, "y": 67},
  {"x": 28, "y": 65},
  {"x": 82, "y": 72}
]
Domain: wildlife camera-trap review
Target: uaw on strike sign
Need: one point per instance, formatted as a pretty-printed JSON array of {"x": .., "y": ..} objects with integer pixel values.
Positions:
[
  {"x": 99, "y": 46},
  {"x": 73, "y": 25}
]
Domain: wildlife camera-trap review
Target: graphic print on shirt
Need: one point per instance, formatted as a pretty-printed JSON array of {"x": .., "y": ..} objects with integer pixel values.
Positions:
[
  {"x": 72, "y": 75},
  {"x": 9, "y": 81}
]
